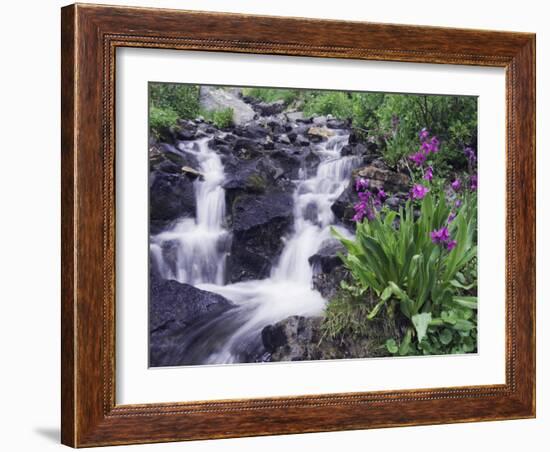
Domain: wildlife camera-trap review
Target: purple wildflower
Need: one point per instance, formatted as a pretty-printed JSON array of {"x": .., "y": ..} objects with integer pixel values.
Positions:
[
  {"x": 419, "y": 158},
  {"x": 458, "y": 203},
  {"x": 360, "y": 211},
  {"x": 426, "y": 148},
  {"x": 423, "y": 134},
  {"x": 451, "y": 217},
  {"x": 473, "y": 182},
  {"x": 419, "y": 191},
  {"x": 456, "y": 184},
  {"x": 470, "y": 155},
  {"x": 428, "y": 174},
  {"x": 440, "y": 236},
  {"x": 435, "y": 144},
  {"x": 361, "y": 184},
  {"x": 381, "y": 194},
  {"x": 451, "y": 244}
]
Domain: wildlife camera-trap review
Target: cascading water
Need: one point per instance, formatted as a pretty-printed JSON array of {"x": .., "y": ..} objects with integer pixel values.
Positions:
[
  {"x": 197, "y": 244},
  {"x": 200, "y": 258}
]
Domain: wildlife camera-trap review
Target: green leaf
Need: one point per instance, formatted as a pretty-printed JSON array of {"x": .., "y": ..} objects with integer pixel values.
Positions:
[
  {"x": 405, "y": 344},
  {"x": 421, "y": 322},
  {"x": 392, "y": 347},
  {"x": 466, "y": 302},
  {"x": 445, "y": 336}
]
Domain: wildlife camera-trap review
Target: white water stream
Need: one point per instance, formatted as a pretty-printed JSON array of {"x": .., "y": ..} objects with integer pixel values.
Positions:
[{"x": 201, "y": 245}]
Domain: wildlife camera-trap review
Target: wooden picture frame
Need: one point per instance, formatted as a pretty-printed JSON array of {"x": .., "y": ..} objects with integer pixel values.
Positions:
[{"x": 90, "y": 36}]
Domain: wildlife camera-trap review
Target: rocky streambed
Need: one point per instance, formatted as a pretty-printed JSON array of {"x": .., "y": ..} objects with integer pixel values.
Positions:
[{"x": 242, "y": 258}]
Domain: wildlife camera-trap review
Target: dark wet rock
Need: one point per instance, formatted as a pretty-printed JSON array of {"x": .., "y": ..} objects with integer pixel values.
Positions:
[
  {"x": 343, "y": 206},
  {"x": 245, "y": 148},
  {"x": 284, "y": 139},
  {"x": 252, "y": 131},
  {"x": 327, "y": 259},
  {"x": 302, "y": 140},
  {"x": 310, "y": 160},
  {"x": 259, "y": 222},
  {"x": 171, "y": 176},
  {"x": 277, "y": 125},
  {"x": 337, "y": 123},
  {"x": 173, "y": 308},
  {"x": 255, "y": 176},
  {"x": 170, "y": 196},
  {"x": 354, "y": 137},
  {"x": 298, "y": 338},
  {"x": 186, "y": 130},
  {"x": 289, "y": 159},
  {"x": 328, "y": 284},
  {"x": 269, "y": 109},
  {"x": 357, "y": 149}
]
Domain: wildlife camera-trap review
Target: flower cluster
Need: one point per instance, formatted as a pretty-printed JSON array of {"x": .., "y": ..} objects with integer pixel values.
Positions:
[
  {"x": 428, "y": 145},
  {"x": 369, "y": 200},
  {"x": 443, "y": 238}
]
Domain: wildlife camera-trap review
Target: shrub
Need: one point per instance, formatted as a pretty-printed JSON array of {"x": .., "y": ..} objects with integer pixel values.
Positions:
[
  {"x": 161, "y": 119},
  {"x": 169, "y": 102},
  {"x": 182, "y": 99},
  {"x": 274, "y": 94},
  {"x": 220, "y": 118}
]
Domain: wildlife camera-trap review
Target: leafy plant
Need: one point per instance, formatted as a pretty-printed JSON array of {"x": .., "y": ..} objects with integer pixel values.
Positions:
[
  {"x": 161, "y": 119},
  {"x": 397, "y": 256},
  {"x": 220, "y": 118},
  {"x": 169, "y": 102},
  {"x": 274, "y": 94}
]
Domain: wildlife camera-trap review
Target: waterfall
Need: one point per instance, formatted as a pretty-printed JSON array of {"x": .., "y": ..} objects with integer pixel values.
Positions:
[
  {"x": 193, "y": 250},
  {"x": 313, "y": 215},
  {"x": 200, "y": 255}
]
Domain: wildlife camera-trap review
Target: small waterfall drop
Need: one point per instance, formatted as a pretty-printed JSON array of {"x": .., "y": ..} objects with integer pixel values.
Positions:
[{"x": 193, "y": 250}]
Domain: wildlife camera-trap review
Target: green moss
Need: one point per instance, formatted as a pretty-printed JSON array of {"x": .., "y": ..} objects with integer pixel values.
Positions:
[{"x": 256, "y": 183}]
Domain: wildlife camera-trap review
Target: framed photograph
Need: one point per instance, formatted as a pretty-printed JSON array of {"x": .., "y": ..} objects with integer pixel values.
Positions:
[{"x": 281, "y": 225}]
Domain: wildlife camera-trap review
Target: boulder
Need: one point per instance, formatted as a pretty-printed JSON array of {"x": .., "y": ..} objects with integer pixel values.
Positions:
[
  {"x": 328, "y": 284},
  {"x": 258, "y": 222},
  {"x": 171, "y": 196},
  {"x": 289, "y": 159},
  {"x": 185, "y": 130},
  {"x": 298, "y": 338},
  {"x": 343, "y": 206},
  {"x": 317, "y": 134},
  {"x": 269, "y": 109},
  {"x": 302, "y": 140},
  {"x": 326, "y": 259},
  {"x": 173, "y": 309},
  {"x": 212, "y": 99},
  {"x": 337, "y": 123},
  {"x": 380, "y": 176}
]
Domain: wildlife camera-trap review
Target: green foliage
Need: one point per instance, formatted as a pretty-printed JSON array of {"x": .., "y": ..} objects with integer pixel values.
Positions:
[
  {"x": 169, "y": 102},
  {"x": 161, "y": 118},
  {"x": 394, "y": 257},
  {"x": 220, "y": 118},
  {"x": 274, "y": 94},
  {"x": 336, "y": 103},
  {"x": 453, "y": 119}
]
